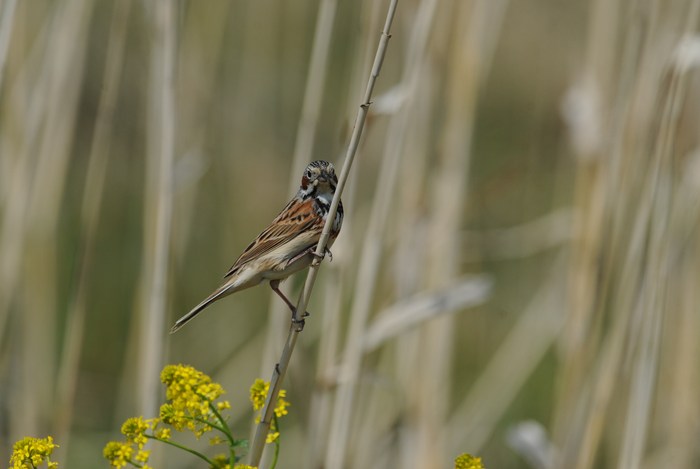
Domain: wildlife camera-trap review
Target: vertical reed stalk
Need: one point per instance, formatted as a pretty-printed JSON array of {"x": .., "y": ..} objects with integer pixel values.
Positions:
[
  {"x": 370, "y": 258},
  {"x": 158, "y": 211},
  {"x": 6, "y": 23},
  {"x": 588, "y": 137},
  {"x": 340, "y": 271},
  {"x": 63, "y": 66},
  {"x": 304, "y": 146},
  {"x": 90, "y": 213},
  {"x": 294, "y": 330}
]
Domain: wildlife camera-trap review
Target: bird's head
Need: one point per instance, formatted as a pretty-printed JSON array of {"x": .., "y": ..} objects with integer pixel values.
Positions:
[{"x": 319, "y": 178}]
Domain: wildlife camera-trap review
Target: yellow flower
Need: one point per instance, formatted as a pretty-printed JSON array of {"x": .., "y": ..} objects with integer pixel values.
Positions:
[
  {"x": 467, "y": 461},
  {"x": 281, "y": 407},
  {"x": 142, "y": 456},
  {"x": 117, "y": 453},
  {"x": 272, "y": 436},
  {"x": 223, "y": 405},
  {"x": 163, "y": 433},
  {"x": 31, "y": 452},
  {"x": 258, "y": 393},
  {"x": 244, "y": 466},
  {"x": 191, "y": 394},
  {"x": 134, "y": 430}
]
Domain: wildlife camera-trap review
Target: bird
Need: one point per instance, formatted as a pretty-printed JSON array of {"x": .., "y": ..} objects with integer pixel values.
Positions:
[{"x": 286, "y": 246}]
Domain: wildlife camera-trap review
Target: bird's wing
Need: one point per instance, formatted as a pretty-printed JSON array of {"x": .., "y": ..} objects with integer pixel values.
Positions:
[{"x": 296, "y": 218}]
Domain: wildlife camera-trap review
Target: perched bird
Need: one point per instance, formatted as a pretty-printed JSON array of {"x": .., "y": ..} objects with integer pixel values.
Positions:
[{"x": 288, "y": 244}]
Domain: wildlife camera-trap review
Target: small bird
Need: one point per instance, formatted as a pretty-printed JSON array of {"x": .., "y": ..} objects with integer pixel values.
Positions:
[{"x": 286, "y": 246}]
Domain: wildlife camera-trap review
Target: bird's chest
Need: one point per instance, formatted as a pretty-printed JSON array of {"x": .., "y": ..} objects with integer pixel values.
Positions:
[{"x": 322, "y": 206}]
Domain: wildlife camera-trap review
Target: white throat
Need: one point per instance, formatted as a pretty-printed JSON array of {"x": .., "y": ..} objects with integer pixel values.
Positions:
[{"x": 326, "y": 197}]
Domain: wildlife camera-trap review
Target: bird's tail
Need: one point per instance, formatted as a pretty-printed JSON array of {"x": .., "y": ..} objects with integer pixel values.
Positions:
[{"x": 222, "y": 291}]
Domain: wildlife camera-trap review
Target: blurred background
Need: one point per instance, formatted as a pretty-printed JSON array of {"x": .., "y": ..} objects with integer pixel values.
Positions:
[{"x": 518, "y": 272}]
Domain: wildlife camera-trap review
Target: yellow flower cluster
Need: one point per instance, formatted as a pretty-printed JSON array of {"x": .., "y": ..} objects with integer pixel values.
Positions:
[
  {"x": 119, "y": 454},
  {"x": 29, "y": 453},
  {"x": 192, "y": 404},
  {"x": 258, "y": 394},
  {"x": 191, "y": 394},
  {"x": 467, "y": 461},
  {"x": 134, "y": 430}
]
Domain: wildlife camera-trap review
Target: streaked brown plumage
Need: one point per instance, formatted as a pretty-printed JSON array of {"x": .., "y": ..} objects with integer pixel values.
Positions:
[{"x": 287, "y": 245}]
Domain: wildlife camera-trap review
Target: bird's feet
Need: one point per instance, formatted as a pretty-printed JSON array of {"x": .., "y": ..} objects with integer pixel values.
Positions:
[
  {"x": 299, "y": 323},
  {"x": 296, "y": 318},
  {"x": 319, "y": 257}
]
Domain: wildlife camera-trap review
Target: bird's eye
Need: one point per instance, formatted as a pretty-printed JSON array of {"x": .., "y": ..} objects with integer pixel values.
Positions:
[{"x": 308, "y": 174}]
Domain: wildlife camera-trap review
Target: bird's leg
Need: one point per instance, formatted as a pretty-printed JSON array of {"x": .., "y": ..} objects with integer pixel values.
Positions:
[{"x": 275, "y": 285}]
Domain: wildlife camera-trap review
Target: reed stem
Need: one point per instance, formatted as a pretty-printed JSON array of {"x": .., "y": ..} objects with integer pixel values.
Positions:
[{"x": 296, "y": 325}]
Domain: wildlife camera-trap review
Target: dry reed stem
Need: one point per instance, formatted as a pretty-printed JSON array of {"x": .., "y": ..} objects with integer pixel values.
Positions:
[
  {"x": 658, "y": 268},
  {"x": 545, "y": 233},
  {"x": 294, "y": 330},
  {"x": 476, "y": 29},
  {"x": 6, "y": 24},
  {"x": 636, "y": 301},
  {"x": 198, "y": 61},
  {"x": 424, "y": 306},
  {"x": 591, "y": 194},
  {"x": 412, "y": 240},
  {"x": 474, "y": 419},
  {"x": 303, "y": 148},
  {"x": 67, "y": 375},
  {"x": 679, "y": 381},
  {"x": 63, "y": 69},
  {"x": 368, "y": 270},
  {"x": 158, "y": 210},
  {"x": 677, "y": 426},
  {"x": 340, "y": 273},
  {"x": 468, "y": 66}
]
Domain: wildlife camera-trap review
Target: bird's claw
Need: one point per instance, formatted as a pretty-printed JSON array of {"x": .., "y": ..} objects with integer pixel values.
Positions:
[
  {"x": 294, "y": 315},
  {"x": 299, "y": 324},
  {"x": 319, "y": 257}
]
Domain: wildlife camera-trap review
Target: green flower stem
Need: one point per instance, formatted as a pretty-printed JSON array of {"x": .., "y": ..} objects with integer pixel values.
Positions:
[
  {"x": 208, "y": 423},
  {"x": 224, "y": 425},
  {"x": 227, "y": 432},
  {"x": 184, "y": 448},
  {"x": 277, "y": 441}
]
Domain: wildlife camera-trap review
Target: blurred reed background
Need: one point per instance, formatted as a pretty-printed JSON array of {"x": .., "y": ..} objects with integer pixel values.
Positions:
[{"x": 518, "y": 272}]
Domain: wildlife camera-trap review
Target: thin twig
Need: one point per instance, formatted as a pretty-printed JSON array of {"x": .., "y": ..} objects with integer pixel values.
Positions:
[{"x": 295, "y": 329}]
